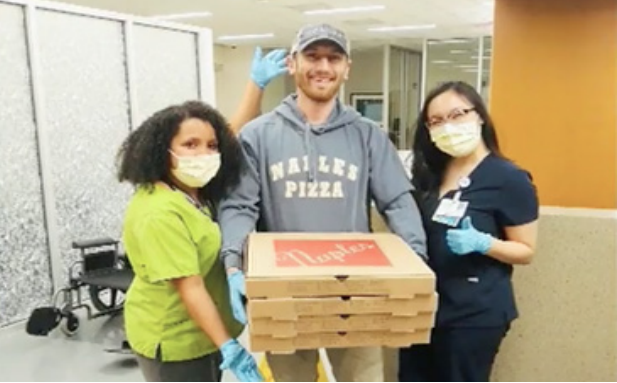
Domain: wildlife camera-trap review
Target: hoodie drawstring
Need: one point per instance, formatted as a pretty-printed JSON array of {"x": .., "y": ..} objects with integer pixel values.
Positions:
[{"x": 309, "y": 149}]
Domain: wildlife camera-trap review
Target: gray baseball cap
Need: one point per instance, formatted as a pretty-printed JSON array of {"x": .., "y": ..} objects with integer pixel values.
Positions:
[{"x": 313, "y": 33}]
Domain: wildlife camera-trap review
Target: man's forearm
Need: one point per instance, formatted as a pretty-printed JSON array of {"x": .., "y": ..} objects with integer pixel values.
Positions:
[
  {"x": 232, "y": 259},
  {"x": 239, "y": 212},
  {"x": 236, "y": 225},
  {"x": 403, "y": 218}
]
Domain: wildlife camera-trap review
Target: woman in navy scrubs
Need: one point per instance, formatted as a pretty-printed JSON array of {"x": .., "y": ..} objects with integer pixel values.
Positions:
[{"x": 480, "y": 213}]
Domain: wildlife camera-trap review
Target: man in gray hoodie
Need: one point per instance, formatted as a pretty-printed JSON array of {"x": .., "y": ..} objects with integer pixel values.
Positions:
[{"x": 314, "y": 165}]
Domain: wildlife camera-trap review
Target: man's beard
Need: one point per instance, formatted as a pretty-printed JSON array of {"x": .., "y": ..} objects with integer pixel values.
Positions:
[{"x": 317, "y": 95}]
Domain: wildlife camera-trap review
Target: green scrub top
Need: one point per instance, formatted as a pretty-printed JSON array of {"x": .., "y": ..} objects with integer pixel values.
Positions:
[{"x": 167, "y": 237}]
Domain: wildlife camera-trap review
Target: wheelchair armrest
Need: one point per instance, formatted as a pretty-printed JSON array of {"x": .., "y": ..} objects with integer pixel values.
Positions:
[
  {"x": 125, "y": 262},
  {"x": 98, "y": 242}
]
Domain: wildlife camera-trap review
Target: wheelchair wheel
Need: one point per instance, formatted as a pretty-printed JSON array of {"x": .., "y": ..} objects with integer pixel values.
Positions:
[
  {"x": 105, "y": 298},
  {"x": 70, "y": 324}
]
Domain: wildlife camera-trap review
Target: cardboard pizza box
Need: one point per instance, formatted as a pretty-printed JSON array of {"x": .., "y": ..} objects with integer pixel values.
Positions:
[{"x": 295, "y": 265}]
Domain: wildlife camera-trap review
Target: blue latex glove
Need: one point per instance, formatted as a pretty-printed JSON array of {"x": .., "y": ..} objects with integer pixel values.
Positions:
[
  {"x": 468, "y": 239},
  {"x": 265, "y": 69},
  {"x": 236, "y": 293},
  {"x": 240, "y": 362}
]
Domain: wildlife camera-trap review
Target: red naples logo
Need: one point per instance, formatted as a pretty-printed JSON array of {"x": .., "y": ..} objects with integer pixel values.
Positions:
[{"x": 295, "y": 253}]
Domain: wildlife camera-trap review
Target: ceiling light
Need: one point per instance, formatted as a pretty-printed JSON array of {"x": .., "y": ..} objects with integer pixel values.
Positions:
[
  {"x": 466, "y": 66},
  {"x": 448, "y": 41},
  {"x": 246, "y": 37},
  {"x": 180, "y": 16},
  {"x": 459, "y": 51},
  {"x": 441, "y": 62},
  {"x": 333, "y": 11},
  {"x": 402, "y": 28}
]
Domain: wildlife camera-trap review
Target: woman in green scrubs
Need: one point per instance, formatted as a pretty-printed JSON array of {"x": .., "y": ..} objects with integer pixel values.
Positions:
[{"x": 178, "y": 319}]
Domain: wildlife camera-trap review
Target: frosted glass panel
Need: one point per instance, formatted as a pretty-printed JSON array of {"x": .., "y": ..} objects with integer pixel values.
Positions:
[
  {"x": 165, "y": 69},
  {"x": 84, "y": 78},
  {"x": 25, "y": 279}
]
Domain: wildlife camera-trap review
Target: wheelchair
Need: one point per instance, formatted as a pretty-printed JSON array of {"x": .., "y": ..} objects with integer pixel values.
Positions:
[{"x": 103, "y": 272}]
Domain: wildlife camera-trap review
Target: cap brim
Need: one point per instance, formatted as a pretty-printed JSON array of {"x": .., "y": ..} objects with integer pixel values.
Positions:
[{"x": 318, "y": 39}]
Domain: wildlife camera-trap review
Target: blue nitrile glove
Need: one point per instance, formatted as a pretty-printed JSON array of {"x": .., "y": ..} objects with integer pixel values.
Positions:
[
  {"x": 265, "y": 69},
  {"x": 236, "y": 293},
  {"x": 240, "y": 362},
  {"x": 468, "y": 240}
]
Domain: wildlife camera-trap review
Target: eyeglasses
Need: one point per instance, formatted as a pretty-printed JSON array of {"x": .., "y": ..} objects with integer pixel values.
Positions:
[{"x": 455, "y": 115}]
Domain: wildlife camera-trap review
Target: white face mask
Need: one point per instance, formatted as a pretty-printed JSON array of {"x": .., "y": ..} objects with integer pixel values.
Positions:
[
  {"x": 457, "y": 140},
  {"x": 196, "y": 171}
]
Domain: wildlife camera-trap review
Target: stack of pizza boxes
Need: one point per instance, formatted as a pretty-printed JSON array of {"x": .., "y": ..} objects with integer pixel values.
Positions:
[{"x": 310, "y": 290}]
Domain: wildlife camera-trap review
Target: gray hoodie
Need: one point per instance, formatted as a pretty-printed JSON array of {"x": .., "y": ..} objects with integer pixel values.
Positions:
[{"x": 303, "y": 178}]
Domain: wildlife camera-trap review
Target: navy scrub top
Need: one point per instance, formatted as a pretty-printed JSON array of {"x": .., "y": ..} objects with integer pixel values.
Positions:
[{"x": 475, "y": 290}]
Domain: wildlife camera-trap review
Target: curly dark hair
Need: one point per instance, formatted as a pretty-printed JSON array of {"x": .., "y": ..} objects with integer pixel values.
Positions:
[{"x": 144, "y": 157}]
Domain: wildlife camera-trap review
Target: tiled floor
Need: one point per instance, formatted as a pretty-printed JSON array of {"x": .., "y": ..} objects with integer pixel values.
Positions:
[{"x": 58, "y": 358}]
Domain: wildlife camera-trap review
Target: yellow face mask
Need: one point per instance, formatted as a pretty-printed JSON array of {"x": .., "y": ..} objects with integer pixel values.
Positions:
[
  {"x": 457, "y": 140},
  {"x": 196, "y": 171}
]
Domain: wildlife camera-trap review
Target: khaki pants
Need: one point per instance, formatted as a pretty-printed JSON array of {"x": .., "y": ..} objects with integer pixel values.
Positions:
[
  {"x": 390, "y": 364},
  {"x": 362, "y": 364}
]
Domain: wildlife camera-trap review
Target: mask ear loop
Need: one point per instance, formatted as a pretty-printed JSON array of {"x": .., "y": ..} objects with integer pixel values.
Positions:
[{"x": 172, "y": 153}]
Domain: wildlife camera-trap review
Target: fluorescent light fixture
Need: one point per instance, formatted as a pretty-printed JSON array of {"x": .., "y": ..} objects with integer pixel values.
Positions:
[
  {"x": 466, "y": 66},
  {"x": 448, "y": 41},
  {"x": 181, "y": 16},
  {"x": 334, "y": 11},
  {"x": 402, "y": 28},
  {"x": 470, "y": 70},
  {"x": 441, "y": 62},
  {"x": 246, "y": 37},
  {"x": 459, "y": 51}
]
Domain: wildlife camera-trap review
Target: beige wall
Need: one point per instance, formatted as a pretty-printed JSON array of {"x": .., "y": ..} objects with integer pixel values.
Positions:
[
  {"x": 567, "y": 330},
  {"x": 366, "y": 75},
  {"x": 567, "y": 299}
]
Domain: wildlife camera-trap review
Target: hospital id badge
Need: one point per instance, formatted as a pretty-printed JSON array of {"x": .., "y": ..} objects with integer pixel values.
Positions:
[{"x": 450, "y": 211}]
